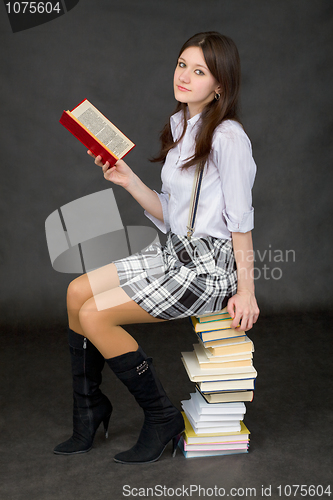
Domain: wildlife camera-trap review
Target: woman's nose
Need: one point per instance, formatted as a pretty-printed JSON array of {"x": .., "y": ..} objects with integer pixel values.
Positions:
[{"x": 184, "y": 76}]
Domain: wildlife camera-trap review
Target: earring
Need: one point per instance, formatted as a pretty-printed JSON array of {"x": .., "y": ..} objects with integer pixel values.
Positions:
[{"x": 217, "y": 96}]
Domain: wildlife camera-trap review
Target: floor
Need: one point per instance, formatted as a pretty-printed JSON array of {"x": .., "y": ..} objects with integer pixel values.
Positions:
[{"x": 290, "y": 419}]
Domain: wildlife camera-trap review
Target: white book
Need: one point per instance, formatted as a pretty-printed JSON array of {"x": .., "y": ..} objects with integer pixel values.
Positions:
[
  {"x": 214, "y": 419},
  {"x": 211, "y": 453},
  {"x": 198, "y": 374},
  {"x": 227, "y": 426},
  {"x": 203, "y": 407},
  {"x": 215, "y": 446}
]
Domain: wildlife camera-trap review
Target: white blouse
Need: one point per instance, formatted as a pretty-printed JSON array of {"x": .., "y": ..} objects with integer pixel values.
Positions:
[{"x": 225, "y": 203}]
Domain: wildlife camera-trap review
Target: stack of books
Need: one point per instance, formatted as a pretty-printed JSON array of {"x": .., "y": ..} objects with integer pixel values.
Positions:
[
  {"x": 212, "y": 430},
  {"x": 221, "y": 366}
]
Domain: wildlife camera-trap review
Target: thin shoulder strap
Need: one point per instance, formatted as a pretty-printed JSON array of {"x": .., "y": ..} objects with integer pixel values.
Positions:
[{"x": 194, "y": 200}]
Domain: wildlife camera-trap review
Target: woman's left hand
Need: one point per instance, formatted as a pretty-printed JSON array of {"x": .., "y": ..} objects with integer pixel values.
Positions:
[{"x": 244, "y": 310}]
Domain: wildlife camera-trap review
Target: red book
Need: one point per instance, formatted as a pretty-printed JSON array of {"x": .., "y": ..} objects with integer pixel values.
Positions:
[{"x": 96, "y": 132}]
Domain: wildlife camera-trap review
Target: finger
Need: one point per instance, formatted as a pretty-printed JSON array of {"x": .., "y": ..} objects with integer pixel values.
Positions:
[
  {"x": 251, "y": 320},
  {"x": 246, "y": 320},
  {"x": 99, "y": 161},
  {"x": 236, "y": 322},
  {"x": 257, "y": 314},
  {"x": 254, "y": 318},
  {"x": 249, "y": 324},
  {"x": 106, "y": 166},
  {"x": 90, "y": 153},
  {"x": 244, "y": 326},
  {"x": 231, "y": 308},
  {"x": 108, "y": 174}
]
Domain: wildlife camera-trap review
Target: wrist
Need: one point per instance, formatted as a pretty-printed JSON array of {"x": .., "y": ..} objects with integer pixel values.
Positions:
[
  {"x": 245, "y": 288},
  {"x": 245, "y": 279},
  {"x": 133, "y": 183}
]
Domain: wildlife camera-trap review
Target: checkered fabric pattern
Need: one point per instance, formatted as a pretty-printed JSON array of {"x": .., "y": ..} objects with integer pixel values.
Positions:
[{"x": 181, "y": 278}]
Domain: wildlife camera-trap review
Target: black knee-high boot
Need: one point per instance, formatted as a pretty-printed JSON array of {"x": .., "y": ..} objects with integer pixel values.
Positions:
[
  {"x": 163, "y": 421},
  {"x": 90, "y": 406}
]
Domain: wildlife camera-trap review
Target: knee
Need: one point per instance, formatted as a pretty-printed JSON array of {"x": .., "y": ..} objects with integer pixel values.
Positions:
[
  {"x": 88, "y": 317},
  {"x": 75, "y": 294}
]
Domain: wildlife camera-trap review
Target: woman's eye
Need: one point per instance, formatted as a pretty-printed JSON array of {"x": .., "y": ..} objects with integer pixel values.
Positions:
[
  {"x": 181, "y": 65},
  {"x": 199, "y": 72}
]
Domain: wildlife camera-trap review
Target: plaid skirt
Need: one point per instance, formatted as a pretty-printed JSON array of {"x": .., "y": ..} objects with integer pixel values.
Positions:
[{"x": 181, "y": 278}]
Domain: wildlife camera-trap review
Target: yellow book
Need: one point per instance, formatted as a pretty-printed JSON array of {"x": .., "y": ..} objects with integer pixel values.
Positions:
[
  {"x": 245, "y": 347},
  {"x": 221, "y": 329},
  {"x": 216, "y": 316},
  {"x": 218, "y": 374},
  {"x": 222, "y": 350},
  {"x": 222, "y": 437},
  {"x": 224, "y": 342},
  {"x": 226, "y": 361}
]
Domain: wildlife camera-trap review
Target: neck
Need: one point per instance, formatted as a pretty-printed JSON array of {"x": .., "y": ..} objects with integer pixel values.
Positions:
[{"x": 193, "y": 110}]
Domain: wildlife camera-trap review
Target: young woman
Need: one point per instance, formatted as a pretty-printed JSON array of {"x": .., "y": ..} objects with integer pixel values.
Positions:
[{"x": 200, "y": 270}]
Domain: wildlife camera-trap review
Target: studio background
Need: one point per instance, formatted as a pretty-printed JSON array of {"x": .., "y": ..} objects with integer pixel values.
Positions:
[{"x": 121, "y": 56}]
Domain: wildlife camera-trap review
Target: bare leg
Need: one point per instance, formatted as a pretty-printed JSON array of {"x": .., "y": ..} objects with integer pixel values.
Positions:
[
  {"x": 102, "y": 327},
  {"x": 97, "y": 306},
  {"x": 81, "y": 289}
]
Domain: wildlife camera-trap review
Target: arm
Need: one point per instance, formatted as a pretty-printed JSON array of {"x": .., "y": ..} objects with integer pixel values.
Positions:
[
  {"x": 243, "y": 307},
  {"x": 122, "y": 175},
  {"x": 237, "y": 172}
]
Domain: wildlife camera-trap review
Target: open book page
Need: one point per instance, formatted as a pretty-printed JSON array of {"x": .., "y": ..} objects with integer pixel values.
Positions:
[{"x": 102, "y": 128}]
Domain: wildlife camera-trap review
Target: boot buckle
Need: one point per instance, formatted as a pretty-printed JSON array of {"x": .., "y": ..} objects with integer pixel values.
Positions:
[{"x": 140, "y": 369}]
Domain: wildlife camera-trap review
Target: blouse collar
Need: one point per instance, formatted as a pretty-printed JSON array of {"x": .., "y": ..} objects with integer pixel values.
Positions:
[{"x": 177, "y": 120}]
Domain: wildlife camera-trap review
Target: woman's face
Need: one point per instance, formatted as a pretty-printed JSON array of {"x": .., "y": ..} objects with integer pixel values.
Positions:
[{"x": 193, "y": 82}]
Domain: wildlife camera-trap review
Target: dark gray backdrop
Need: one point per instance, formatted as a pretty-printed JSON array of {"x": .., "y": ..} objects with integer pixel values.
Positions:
[{"x": 121, "y": 56}]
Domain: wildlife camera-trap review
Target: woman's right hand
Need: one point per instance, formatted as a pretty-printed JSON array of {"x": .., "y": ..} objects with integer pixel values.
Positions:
[{"x": 120, "y": 174}]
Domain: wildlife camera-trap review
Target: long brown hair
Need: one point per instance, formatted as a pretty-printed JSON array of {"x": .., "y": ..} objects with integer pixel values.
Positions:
[{"x": 222, "y": 59}]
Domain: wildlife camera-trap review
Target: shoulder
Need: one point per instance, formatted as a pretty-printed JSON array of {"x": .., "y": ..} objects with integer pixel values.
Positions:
[{"x": 230, "y": 133}]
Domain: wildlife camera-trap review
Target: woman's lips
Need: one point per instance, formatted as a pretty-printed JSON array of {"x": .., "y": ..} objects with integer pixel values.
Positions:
[{"x": 182, "y": 89}]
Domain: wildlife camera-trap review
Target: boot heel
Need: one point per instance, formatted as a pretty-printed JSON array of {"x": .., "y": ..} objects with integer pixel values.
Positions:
[
  {"x": 106, "y": 425},
  {"x": 175, "y": 442}
]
